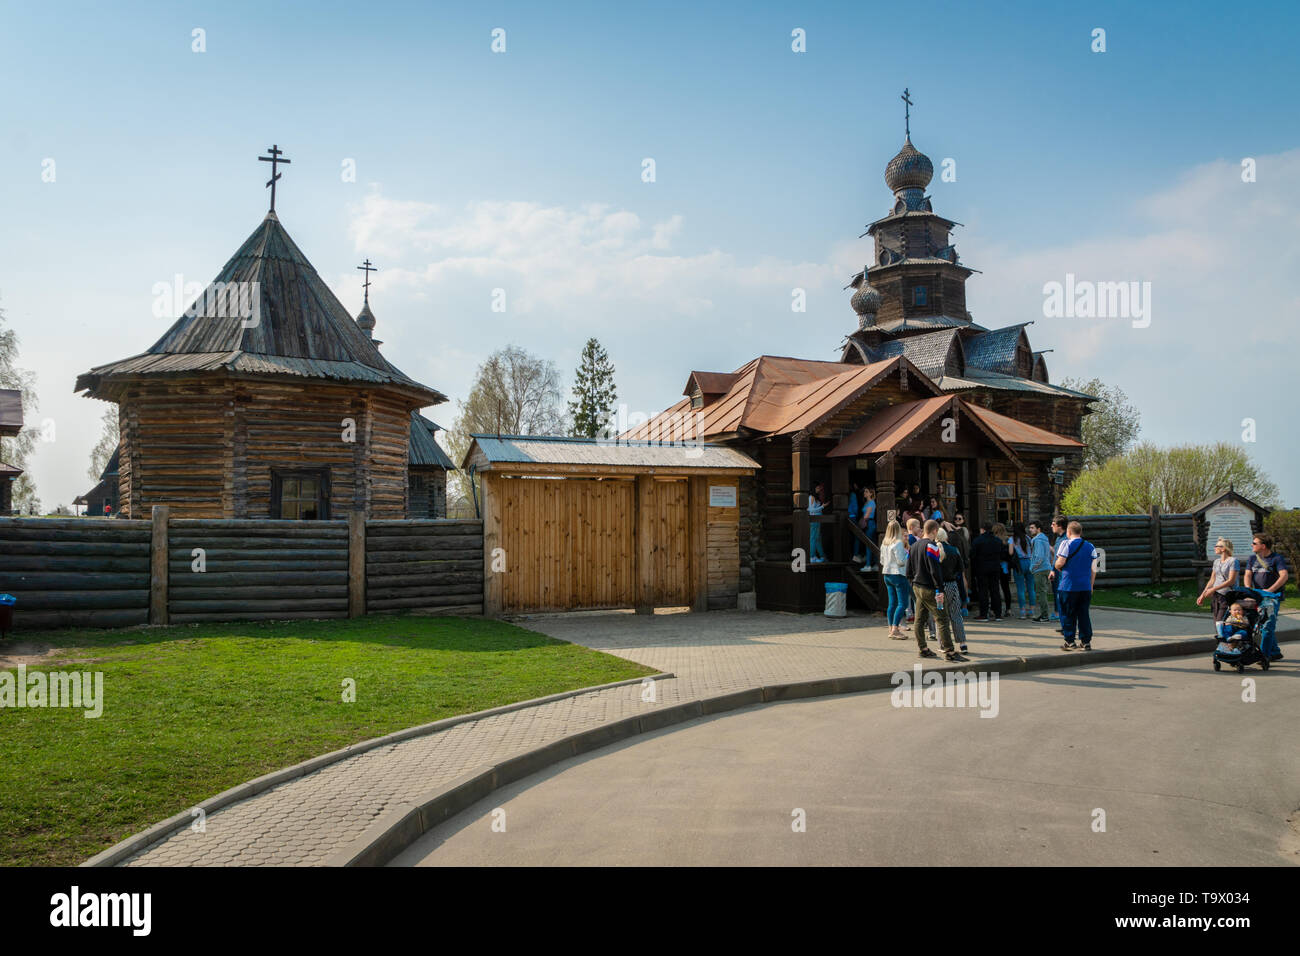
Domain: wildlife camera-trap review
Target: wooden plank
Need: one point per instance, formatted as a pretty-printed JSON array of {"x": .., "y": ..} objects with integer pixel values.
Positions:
[
  {"x": 158, "y": 566},
  {"x": 493, "y": 582},
  {"x": 699, "y": 528},
  {"x": 356, "y": 564}
]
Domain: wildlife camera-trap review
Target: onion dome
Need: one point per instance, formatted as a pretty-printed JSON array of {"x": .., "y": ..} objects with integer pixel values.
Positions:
[
  {"x": 366, "y": 320},
  {"x": 910, "y": 169},
  {"x": 866, "y": 303}
]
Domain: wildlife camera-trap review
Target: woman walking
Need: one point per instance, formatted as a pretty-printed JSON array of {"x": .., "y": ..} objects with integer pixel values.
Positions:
[
  {"x": 1223, "y": 579},
  {"x": 815, "y": 508},
  {"x": 868, "y": 520},
  {"x": 1020, "y": 555},
  {"x": 893, "y": 562}
]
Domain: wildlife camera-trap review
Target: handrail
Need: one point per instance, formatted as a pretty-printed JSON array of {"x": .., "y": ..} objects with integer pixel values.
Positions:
[{"x": 863, "y": 536}]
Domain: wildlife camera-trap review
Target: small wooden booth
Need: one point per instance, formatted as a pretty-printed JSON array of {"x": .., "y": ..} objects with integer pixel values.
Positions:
[{"x": 578, "y": 524}]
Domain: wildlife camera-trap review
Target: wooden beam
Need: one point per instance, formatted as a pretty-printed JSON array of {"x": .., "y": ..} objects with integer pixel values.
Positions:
[
  {"x": 1156, "y": 559},
  {"x": 885, "y": 498},
  {"x": 840, "y": 549},
  {"x": 645, "y": 562},
  {"x": 603, "y": 471},
  {"x": 699, "y": 538},
  {"x": 356, "y": 564},
  {"x": 981, "y": 498},
  {"x": 493, "y": 581},
  {"x": 801, "y": 484},
  {"x": 158, "y": 567}
]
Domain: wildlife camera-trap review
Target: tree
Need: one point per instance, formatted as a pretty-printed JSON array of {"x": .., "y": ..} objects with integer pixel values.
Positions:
[
  {"x": 15, "y": 450},
  {"x": 514, "y": 393},
  {"x": 109, "y": 438},
  {"x": 593, "y": 392},
  {"x": 1112, "y": 427},
  {"x": 1174, "y": 479}
]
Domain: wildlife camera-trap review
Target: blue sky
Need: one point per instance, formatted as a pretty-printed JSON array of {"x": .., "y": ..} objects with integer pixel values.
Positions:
[{"x": 522, "y": 171}]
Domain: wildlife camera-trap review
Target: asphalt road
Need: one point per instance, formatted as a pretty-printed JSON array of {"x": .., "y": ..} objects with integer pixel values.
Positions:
[{"x": 1185, "y": 770}]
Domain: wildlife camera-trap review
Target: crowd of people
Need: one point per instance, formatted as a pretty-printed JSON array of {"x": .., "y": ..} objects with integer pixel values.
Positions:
[{"x": 935, "y": 571}]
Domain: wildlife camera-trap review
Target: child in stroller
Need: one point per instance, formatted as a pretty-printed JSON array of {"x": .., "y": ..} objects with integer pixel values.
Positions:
[{"x": 1239, "y": 634}]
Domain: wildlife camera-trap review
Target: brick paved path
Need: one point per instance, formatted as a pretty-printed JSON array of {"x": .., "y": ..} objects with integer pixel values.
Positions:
[{"x": 304, "y": 821}]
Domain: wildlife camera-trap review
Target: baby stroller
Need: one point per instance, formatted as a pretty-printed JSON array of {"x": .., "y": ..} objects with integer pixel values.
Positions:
[{"x": 1258, "y": 606}]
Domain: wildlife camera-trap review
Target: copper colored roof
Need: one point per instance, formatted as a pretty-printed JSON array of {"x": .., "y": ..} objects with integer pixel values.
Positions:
[
  {"x": 1020, "y": 435},
  {"x": 710, "y": 383},
  {"x": 775, "y": 395},
  {"x": 890, "y": 428}
]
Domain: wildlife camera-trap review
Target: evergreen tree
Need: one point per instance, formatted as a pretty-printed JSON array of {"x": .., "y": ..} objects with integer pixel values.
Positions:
[{"x": 593, "y": 392}]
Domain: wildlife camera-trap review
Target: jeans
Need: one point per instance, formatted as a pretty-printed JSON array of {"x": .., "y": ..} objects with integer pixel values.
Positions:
[
  {"x": 896, "y": 585},
  {"x": 1024, "y": 583},
  {"x": 815, "y": 543},
  {"x": 1074, "y": 613},
  {"x": 1043, "y": 592},
  {"x": 987, "y": 592},
  {"x": 1267, "y": 637},
  {"x": 926, "y": 608}
]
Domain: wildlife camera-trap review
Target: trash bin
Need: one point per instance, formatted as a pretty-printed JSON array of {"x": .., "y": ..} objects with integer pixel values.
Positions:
[
  {"x": 837, "y": 600},
  {"x": 7, "y": 602}
]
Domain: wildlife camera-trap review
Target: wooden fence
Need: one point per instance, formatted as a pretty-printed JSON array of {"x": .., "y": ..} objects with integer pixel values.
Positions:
[
  {"x": 87, "y": 572},
  {"x": 1142, "y": 549}
]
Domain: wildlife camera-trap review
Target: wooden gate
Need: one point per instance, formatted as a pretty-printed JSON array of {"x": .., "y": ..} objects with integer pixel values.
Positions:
[{"x": 571, "y": 543}]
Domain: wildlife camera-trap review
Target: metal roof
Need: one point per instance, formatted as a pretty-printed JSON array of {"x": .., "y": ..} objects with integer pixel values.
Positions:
[
  {"x": 489, "y": 450},
  {"x": 774, "y": 395},
  {"x": 1214, "y": 499},
  {"x": 11, "y": 411},
  {"x": 301, "y": 330},
  {"x": 928, "y": 322},
  {"x": 980, "y": 378},
  {"x": 1018, "y": 434},
  {"x": 424, "y": 447}
]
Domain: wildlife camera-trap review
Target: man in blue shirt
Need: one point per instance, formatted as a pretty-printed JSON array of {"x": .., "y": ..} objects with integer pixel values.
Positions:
[
  {"x": 1040, "y": 565},
  {"x": 1076, "y": 570},
  {"x": 1268, "y": 571}
]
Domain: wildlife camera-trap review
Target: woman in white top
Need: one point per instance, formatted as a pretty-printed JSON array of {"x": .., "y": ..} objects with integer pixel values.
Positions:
[
  {"x": 1222, "y": 580},
  {"x": 893, "y": 561}
]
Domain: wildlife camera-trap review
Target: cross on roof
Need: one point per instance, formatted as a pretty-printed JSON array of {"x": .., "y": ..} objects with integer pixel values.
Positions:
[
  {"x": 367, "y": 268},
  {"x": 907, "y": 112},
  {"x": 274, "y": 159}
]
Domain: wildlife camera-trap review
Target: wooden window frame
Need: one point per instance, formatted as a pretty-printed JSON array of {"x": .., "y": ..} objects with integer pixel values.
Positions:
[{"x": 321, "y": 474}]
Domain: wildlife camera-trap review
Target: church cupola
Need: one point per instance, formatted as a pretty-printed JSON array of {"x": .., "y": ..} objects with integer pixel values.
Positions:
[
  {"x": 907, "y": 175},
  {"x": 366, "y": 318},
  {"x": 866, "y": 303}
]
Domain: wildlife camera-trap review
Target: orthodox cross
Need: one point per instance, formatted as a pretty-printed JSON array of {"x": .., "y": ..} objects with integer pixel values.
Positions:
[
  {"x": 907, "y": 112},
  {"x": 367, "y": 268},
  {"x": 274, "y": 159}
]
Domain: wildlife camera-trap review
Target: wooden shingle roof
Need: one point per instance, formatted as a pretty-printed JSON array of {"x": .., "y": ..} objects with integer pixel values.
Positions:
[
  {"x": 424, "y": 448},
  {"x": 297, "y": 328},
  {"x": 11, "y": 411}
]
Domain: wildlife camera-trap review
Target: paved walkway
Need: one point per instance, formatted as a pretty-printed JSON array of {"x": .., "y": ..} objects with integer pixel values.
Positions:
[{"x": 304, "y": 821}]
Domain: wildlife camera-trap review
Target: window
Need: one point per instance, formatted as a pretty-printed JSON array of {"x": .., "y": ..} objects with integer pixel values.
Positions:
[
  {"x": 918, "y": 295},
  {"x": 300, "y": 495}
]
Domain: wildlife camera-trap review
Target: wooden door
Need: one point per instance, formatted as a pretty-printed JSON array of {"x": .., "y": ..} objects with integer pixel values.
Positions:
[{"x": 668, "y": 525}]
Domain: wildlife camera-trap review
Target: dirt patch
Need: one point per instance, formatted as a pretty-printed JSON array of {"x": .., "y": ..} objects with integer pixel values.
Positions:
[{"x": 31, "y": 653}]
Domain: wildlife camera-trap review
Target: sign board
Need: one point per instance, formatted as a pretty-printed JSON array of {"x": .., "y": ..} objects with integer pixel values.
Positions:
[
  {"x": 722, "y": 496},
  {"x": 862, "y": 464}
]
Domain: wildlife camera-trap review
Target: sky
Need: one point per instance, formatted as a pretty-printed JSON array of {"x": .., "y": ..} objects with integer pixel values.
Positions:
[{"x": 128, "y": 157}]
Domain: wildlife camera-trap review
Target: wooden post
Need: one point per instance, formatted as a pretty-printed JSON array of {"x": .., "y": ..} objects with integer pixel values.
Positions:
[
  {"x": 801, "y": 481},
  {"x": 698, "y": 517},
  {"x": 645, "y": 554},
  {"x": 493, "y": 581},
  {"x": 981, "y": 498},
  {"x": 840, "y": 549},
  {"x": 356, "y": 564},
  {"x": 885, "y": 500},
  {"x": 158, "y": 566},
  {"x": 1157, "y": 559}
]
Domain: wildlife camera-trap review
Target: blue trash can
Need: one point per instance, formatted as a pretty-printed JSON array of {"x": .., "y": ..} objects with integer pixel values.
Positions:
[{"x": 837, "y": 600}]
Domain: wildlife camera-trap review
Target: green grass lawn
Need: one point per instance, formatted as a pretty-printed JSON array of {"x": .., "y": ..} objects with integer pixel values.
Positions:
[
  {"x": 192, "y": 710},
  {"x": 1123, "y": 597}
]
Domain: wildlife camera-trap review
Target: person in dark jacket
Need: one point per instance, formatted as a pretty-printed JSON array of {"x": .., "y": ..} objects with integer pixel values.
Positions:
[
  {"x": 925, "y": 572},
  {"x": 987, "y": 553}
]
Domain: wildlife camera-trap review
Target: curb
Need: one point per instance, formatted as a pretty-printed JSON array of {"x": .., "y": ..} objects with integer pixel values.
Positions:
[
  {"x": 401, "y": 826},
  {"x": 146, "y": 838}
]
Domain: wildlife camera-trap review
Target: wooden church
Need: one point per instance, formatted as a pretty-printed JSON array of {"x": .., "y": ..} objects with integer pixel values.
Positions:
[
  {"x": 922, "y": 395},
  {"x": 267, "y": 400}
]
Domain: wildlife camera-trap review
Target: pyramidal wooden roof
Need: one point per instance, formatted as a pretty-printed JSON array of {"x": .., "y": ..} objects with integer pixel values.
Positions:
[{"x": 297, "y": 328}]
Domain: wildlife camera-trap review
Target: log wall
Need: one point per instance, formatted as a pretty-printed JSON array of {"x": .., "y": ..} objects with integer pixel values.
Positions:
[
  {"x": 1128, "y": 542},
  {"x": 88, "y": 572}
]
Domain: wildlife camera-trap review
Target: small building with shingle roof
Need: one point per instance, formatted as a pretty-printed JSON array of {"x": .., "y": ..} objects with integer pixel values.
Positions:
[{"x": 265, "y": 399}]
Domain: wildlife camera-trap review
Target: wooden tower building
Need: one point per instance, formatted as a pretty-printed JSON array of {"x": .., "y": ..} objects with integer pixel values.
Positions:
[{"x": 264, "y": 400}]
